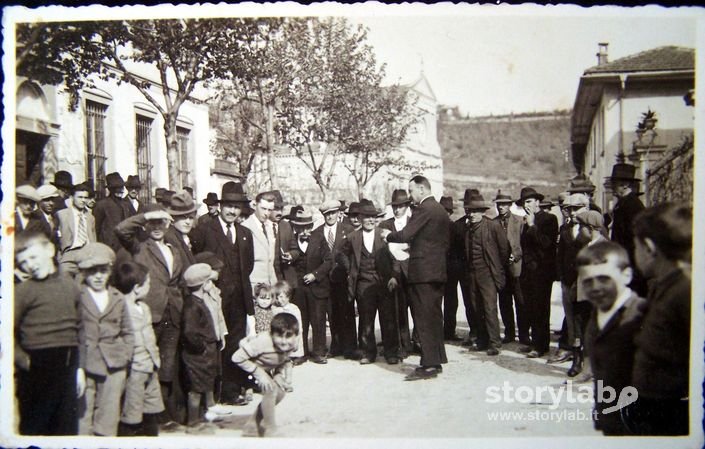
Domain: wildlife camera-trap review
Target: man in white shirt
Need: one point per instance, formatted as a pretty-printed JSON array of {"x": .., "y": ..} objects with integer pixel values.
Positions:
[
  {"x": 264, "y": 240},
  {"x": 76, "y": 228}
]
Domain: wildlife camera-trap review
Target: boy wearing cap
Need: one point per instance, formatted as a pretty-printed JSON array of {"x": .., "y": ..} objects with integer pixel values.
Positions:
[
  {"x": 108, "y": 345},
  {"x": 48, "y": 333},
  {"x": 110, "y": 211},
  {"x": 200, "y": 343},
  {"x": 165, "y": 297},
  {"x": 75, "y": 229},
  {"x": 142, "y": 401}
]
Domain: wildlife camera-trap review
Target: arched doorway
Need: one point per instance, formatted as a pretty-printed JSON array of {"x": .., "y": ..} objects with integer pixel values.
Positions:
[{"x": 32, "y": 136}]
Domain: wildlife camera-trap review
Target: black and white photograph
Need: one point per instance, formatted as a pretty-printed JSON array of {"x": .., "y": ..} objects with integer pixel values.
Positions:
[{"x": 331, "y": 225}]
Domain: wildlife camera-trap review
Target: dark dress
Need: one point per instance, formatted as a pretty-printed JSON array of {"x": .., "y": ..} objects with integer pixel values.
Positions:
[{"x": 199, "y": 346}]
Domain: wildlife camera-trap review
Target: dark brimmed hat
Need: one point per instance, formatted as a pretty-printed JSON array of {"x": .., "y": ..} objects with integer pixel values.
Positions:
[
  {"x": 447, "y": 203},
  {"x": 354, "y": 209},
  {"x": 85, "y": 186},
  {"x": 299, "y": 217},
  {"x": 159, "y": 194},
  {"x": 181, "y": 203},
  {"x": 527, "y": 193},
  {"x": 168, "y": 195},
  {"x": 468, "y": 193},
  {"x": 293, "y": 211},
  {"x": 623, "y": 172},
  {"x": 546, "y": 202},
  {"x": 400, "y": 197},
  {"x": 233, "y": 192},
  {"x": 581, "y": 184},
  {"x": 502, "y": 198},
  {"x": 63, "y": 180},
  {"x": 365, "y": 202},
  {"x": 278, "y": 200},
  {"x": 368, "y": 209},
  {"x": 211, "y": 199},
  {"x": 114, "y": 180},
  {"x": 133, "y": 182},
  {"x": 475, "y": 202}
]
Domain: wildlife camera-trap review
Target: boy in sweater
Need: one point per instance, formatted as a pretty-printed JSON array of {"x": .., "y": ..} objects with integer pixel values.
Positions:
[
  {"x": 267, "y": 357},
  {"x": 47, "y": 328}
]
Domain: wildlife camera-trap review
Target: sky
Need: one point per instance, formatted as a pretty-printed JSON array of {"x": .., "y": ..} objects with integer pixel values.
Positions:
[{"x": 517, "y": 61}]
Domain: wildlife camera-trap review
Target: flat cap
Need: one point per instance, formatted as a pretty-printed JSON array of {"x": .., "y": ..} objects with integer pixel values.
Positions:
[
  {"x": 28, "y": 192},
  {"x": 95, "y": 254},
  {"x": 197, "y": 274},
  {"x": 47, "y": 191},
  {"x": 329, "y": 205}
]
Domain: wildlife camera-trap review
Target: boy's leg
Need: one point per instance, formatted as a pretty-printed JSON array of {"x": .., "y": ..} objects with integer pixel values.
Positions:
[
  {"x": 87, "y": 407},
  {"x": 107, "y": 403},
  {"x": 264, "y": 415},
  {"x": 194, "y": 408}
]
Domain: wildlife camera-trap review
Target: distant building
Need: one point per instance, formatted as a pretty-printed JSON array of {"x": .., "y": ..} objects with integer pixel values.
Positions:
[
  {"x": 114, "y": 129},
  {"x": 611, "y": 101}
]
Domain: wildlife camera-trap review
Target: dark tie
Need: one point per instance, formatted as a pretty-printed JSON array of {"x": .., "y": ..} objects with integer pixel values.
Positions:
[
  {"x": 229, "y": 233},
  {"x": 274, "y": 227}
]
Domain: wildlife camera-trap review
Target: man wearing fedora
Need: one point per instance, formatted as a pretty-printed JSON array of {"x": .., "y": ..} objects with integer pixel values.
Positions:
[
  {"x": 264, "y": 240},
  {"x": 211, "y": 202},
  {"x": 487, "y": 252},
  {"x": 64, "y": 182},
  {"x": 341, "y": 308},
  {"x": 111, "y": 210},
  {"x": 538, "y": 245},
  {"x": 183, "y": 213},
  {"x": 510, "y": 296},
  {"x": 428, "y": 237},
  {"x": 76, "y": 228},
  {"x": 373, "y": 277},
  {"x": 233, "y": 245},
  {"x": 625, "y": 187},
  {"x": 400, "y": 208},
  {"x": 459, "y": 269},
  {"x": 133, "y": 186}
]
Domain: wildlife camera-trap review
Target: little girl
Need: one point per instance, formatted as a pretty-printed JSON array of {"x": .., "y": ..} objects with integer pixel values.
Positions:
[
  {"x": 282, "y": 303},
  {"x": 263, "y": 310}
]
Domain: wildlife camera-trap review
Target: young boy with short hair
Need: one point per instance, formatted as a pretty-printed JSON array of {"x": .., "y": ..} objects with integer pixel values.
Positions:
[
  {"x": 603, "y": 278},
  {"x": 47, "y": 327},
  {"x": 283, "y": 294},
  {"x": 109, "y": 342},
  {"x": 267, "y": 357},
  {"x": 142, "y": 402}
]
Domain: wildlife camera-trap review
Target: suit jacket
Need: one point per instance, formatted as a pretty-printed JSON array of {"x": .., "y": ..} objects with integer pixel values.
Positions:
[
  {"x": 515, "y": 225},
  {"x": 108, "y": 212},
  {"x": 495, "y": 250},
  {"x": 338, "y": 274},
  {"x": 49, "y": 229},
  {"x": 404, "y": 264},
  {"x": 66, "y": 228},
  {"x": 36, "y": 222},
  {"x": 264, "y": 250},
  {"x": 284, "y": 240},
  {"x": 234, "y": 284},
  {"x": 131, "y": 209},
  {"x": 165, "y": 286},
  {"x": 428, "y": 236},
  {"x": 316, "y": 260},
  {"x": 386, "y": 266},
  {"x": 567, "y": 252},
  {"x": 538, "y": 245},
  {"x": 174, "y": 238},
  {"x": 109, "y": 337},
  {"x": 611, "y": 352},
  {"x": 623, "y": 214}
]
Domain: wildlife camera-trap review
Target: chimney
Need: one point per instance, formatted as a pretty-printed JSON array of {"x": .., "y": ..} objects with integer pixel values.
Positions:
[{"x": 602, "y": 53}]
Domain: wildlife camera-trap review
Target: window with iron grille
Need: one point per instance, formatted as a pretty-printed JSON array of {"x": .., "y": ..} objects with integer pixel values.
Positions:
[
  {"x": 95, "y": 146},
  {"x": 182, "y": 138},
  {"x": 143, "y": 146}
]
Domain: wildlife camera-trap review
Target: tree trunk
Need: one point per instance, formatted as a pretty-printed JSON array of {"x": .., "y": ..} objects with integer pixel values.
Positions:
[
  {"x": 172, "y": 151},
  {"x": 271, "y": 168}
]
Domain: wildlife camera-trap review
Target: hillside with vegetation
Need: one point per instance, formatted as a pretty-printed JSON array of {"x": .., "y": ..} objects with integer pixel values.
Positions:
[{"x": 506, "y": 152}]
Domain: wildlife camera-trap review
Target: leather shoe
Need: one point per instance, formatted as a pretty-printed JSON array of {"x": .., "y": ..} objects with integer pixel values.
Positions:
[
  {"x": 506, "y": 340},
  {"x": 320, "y": 360},
  {"x": 534, "y": 354},
  {"x": 478, "y": 348},
  {"x": 299, "y": 360},
  {"x": 424, "y": 372},
  {"x": 392, "y": 361},
  {"x": 493, "y": 351},
  {"x": 525, "y": 349},
  {"x": 352, "y": 356},
  {"x": 366, "y": 361},
  {"x": 454, "y": 337},
  {"x": 561, "y": 356}
]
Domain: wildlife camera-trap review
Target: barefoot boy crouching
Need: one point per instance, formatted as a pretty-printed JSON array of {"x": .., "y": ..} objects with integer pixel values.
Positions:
[{"x": 267, "y": 357}]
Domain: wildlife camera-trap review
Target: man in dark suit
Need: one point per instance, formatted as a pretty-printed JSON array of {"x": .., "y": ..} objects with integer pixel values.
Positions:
[
  {"x": 487, "y": 252},
  {"x": 373, "y": 275},
  {"x": 64, "y": 182},
  {"x": 341, "y": 306},
  {"x": 510, "y": 296},
  {"x": 625, "y": 187},
  {"x": 110, "y": 211},
  {"x": 211, "y": 202},
  {"x": 603, "y": 275},
  {"x": 183, "y": 213},
  {"x": 133, "y": 186},
  {"x": 455, "y": 269},
  {"x": 45, "y": 213},
  {"x": 538, "y": 244},
  {"x": 232, "y": 244},
  {"x": 428, "y": 236},
  {"x": 400, "y": 207},
  {"x": 284, "y": 239},
  {"x": 311, "y": 258}
]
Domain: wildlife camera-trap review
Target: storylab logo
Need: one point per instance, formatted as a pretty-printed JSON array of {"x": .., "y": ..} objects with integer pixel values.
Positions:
[{"x": 563, "y": 394}]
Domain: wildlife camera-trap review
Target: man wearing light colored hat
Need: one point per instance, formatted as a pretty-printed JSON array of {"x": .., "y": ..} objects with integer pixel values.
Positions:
[
  {"x": 110, "y": 211},
  {"x": 342, "y": 309},
  {"x": 48, "y": 195},
  {"x": 26, "y": 200}
]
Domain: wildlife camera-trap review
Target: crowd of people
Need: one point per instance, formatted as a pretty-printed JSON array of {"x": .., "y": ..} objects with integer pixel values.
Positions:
[{"x": 154, "y": 318}]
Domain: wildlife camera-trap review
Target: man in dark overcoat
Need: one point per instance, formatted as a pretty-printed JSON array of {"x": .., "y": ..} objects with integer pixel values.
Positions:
[{"x": 110, "y": 211}]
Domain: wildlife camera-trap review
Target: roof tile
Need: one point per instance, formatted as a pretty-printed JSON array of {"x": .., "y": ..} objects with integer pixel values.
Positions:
[{"x": 654, "y": 60}]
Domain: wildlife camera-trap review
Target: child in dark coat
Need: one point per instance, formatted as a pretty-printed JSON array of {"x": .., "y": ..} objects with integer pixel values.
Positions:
[{"x": 199, "y": 345}]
